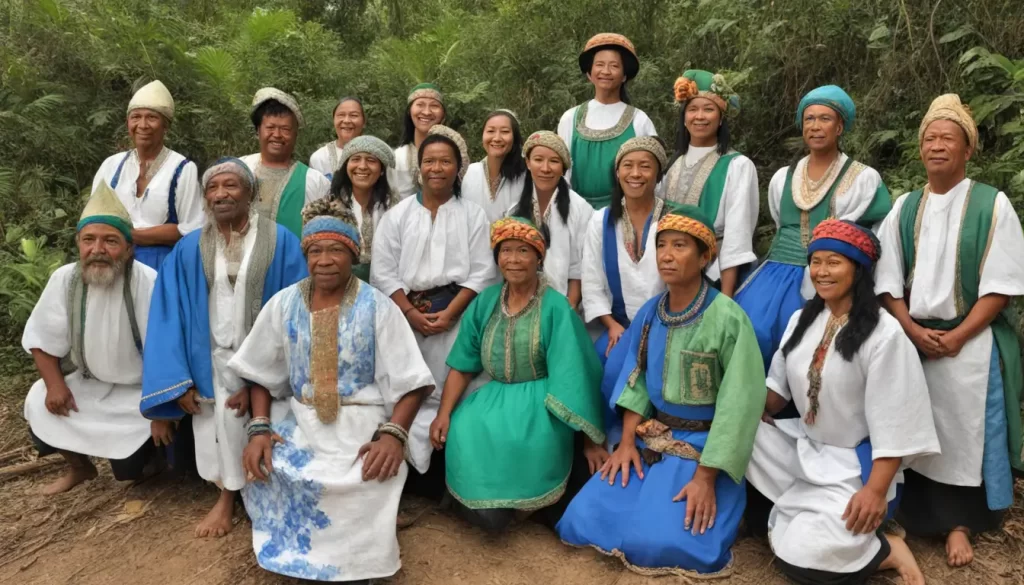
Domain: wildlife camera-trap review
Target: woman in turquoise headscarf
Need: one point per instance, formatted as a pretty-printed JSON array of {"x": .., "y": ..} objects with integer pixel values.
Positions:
[{"x": 824, "y": 184}]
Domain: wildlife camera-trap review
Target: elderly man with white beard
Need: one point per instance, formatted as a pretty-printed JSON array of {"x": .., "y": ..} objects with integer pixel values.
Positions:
[{"x": 94, "y": 312}]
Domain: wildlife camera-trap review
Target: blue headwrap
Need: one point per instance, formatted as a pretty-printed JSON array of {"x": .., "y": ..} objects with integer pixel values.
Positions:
[
  {"x": 844, "y": 237},
  {"x": 831, "y": 96},
  {"x": 327, "y": 227}
]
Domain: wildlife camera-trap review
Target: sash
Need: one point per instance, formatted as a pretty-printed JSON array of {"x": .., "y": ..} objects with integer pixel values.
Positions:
[
  {"x": 434, "y": 300},
  {"x": 610, "y": 253},
  {"x": 293, "y": 197},
  {"x": 77, "y": 296},
  {"x": 973, "y": 241}
]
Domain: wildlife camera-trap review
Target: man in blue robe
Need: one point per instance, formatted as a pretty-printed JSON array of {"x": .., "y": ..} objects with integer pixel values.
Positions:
[{"x": 206, "y": 298}]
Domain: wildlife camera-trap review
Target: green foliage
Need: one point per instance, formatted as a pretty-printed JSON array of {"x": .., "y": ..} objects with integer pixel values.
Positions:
[{"x": 69, "y": 67}]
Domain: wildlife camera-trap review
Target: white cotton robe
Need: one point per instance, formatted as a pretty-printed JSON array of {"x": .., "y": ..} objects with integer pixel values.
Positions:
[
  {"x": 851, "y": 200},
  {"x": 737, "y": 212},
  {"x": 810, "y": 472},
  {"x": 958, "y": 385},
  {"x": 350, "y": 523},
  {"x": 601, "y": 117},
  {"x": 151, "y": 208},
  {"x": 108, "y": 422},
  {"x": 640, "y": 280},
  {"x": 564, "y": 258},
  {"x": 326, "y": 159},
  {"x": 405, "y": 177},
  {"x": 411, "y": 252},
  {"x": 475, "y": 188}
]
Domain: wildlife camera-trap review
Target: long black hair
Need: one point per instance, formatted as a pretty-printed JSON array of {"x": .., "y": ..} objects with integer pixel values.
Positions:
[
  {"x": 863, "y": 318},
  {"x": 513, "y": 165},
  {"x": 431, "y": 139},
  {"x": 409, "y": 129},
  {"x": 341, "y": 188},
  {"x": 683, "y": 137},
  {"x": 525, "y": 206}
]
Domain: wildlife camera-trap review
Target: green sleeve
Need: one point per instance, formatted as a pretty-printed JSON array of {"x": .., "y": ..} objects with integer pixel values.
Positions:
[
  {"x": 741, "y": 395},
  {"x": 574, "y": 370},
  {"x": 465, "y": 353},
  {"x": 880, "y": 207},
  {"x": 634, "y": 397}
]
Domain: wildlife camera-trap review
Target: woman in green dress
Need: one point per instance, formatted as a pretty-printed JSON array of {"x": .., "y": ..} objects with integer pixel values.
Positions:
[{"x": 509, "y": 446}]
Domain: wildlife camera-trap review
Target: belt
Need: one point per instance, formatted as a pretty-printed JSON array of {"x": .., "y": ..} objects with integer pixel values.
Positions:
[{"x": 683, "y": 424}]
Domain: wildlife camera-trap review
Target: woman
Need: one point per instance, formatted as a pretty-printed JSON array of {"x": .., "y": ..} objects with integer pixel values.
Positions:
[
  {"x": 363, "y": 189},
  {"x": 595, "y": 130},
  {"x": 158, "y": 187},
  {"x": 336, "y": 377},
  {"x": 349, "y": 121},
  {"x": 856, "y": 381},
  {"x": 705, "y": 172},
  {"x": 691, "y": 393},
  {"x": 517, "y": 332},
  {"x": 430, "y": 256},
  {"x": 496, "y": 182},
  {"x": 824, "y": 184},
  {"x": 425, "y": 110},
  {"x": 547, "y": 199}
]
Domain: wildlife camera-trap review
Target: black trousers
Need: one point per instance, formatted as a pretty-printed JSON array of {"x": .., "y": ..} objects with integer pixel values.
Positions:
[
  {"x": 802, "y": 576},
  {"x": 930, "y": 508},
  {"x": 128, "y": 469}
]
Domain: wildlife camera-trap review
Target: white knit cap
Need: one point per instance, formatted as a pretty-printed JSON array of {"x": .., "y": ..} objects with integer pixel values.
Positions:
[{"x": 153, "y": 96}]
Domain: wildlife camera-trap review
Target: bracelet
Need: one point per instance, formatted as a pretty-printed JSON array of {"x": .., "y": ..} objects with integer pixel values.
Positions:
[
  {"x": 257, "y": 421},
  {"x": 395, "y": 430}
]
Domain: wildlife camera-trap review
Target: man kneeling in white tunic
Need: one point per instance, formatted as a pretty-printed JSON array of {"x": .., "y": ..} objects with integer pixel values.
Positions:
[
  {"x": 954, "y": 257},
  {"x": 93, "y": 311},
  {"x": 337, "y": 379},
  {"x": 857, "y": 383},
  {"x": 207, "y": 296}
]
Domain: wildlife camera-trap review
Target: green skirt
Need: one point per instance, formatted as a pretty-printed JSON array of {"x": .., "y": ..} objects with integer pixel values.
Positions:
[{"x": 505, "y": 450}]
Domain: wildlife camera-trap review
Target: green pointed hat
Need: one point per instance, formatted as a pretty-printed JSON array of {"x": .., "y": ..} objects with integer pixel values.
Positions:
[{"x": 104, "y": 207}]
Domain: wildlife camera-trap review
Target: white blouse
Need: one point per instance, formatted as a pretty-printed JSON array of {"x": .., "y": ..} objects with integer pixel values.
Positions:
[{"x": 475, "y": 188}]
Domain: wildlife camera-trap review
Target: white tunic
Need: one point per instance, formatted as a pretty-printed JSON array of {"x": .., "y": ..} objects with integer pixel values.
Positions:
[
  {"x": 851, "y": 200},
  {"x": 405, "y": 177},
  {"x": 413, "y": 253},
  {"x": 475, "y": 188},
  {"x": 810, "y": 472},
  {"x": 151, "y": 209},
  {"x": 317, "y": 185},
  {"x": 359, "y": 542},
  {"x": 220, "y": 434},
  {"x": 322, "y": 161},
  {"x": 640, "y": 280},
  {"x": 601, "y": 117},
  {"x": 564, "y": 258},
  {"x": 108, "y": 422},
  {"x": 959, "y": 384},
  {"x": 737, "y": 212}
]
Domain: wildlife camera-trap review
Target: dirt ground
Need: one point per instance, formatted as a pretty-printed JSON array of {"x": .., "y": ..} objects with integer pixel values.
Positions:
[{"x": 106, "y": 533}]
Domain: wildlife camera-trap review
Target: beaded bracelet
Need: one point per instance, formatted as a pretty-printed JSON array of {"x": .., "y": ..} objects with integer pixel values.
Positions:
[
  {"x": 395, "y": 430},
  {"x": 258, "y": 420}
]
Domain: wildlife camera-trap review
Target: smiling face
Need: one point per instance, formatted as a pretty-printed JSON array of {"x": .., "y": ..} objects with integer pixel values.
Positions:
[
  {"x": 832, "y": 275},
  {"x": 277, "y": 134},
  {"x": 364, "y": 170},
  {"x": 638, "y": 174},
  {"x": 518, "y": 262},
  {"x": 680, "y": 259},
  {"x": 822, "y": 127},
  {"x": 227, "y": 198},
  {"x": 944, "y": 149},
  {"x": 439, "y": 168},
  {"x": 103, "y": 252},
  {"x": 607, "y": 72},
  {"x": 348, "y": 120},
  {"x": 545, "y": 167},
  {"x": 702, "y": 119},
  {"x": 498, "y": 136},
  {"x": 147, "y": 128},
  {"x": 425, "y": 113},
  {"x": 330, "y": 264}
]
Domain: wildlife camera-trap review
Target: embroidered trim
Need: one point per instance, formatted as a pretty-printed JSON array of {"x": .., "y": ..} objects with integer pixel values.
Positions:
[
  {"x": 958, "y": 295},
  {"x": 811, "y": 192},
  {"x": 525, "y": 504},
  {"x": 633, "y": 248},
  {"x": 688, "y": 313},
  {"x": 270, "y": 186},
  {"x": 510, "y": 331},
  {"x": 700, "y": 373},
  {"x": 818, "y": 365},
  {"x": 662, "y": 571},
  {"x": 178, "y": 386},
  {"x": 572, "y": 419},
  {"x": 601, "y": 135},
  {"x": 658, "y": 438},
  {"x": 692, "y": 178}
]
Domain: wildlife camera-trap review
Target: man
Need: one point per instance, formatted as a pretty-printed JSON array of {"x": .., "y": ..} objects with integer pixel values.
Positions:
[
  {"x": 94, "y": 312},
  {"x": 159, "y": 187},
  {"x": 285, "y": 184},
  {"x": 950, "y": 264},
  {"x": 206, "y": 299}
]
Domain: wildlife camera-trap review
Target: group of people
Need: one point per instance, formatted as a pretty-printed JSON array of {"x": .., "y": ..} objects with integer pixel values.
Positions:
[{"x": 575, "y": 328}]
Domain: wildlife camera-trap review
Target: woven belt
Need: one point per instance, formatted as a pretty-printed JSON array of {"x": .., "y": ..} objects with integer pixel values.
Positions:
[{"x": 683, "y": 424}]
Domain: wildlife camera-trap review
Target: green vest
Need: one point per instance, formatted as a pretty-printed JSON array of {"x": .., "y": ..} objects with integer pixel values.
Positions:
[
  {"x": 593, "y": 156},
  {"x": 711, "y": 194},
  {"x": 293, "y": 198},
  {"x": 972, "y": 248}
]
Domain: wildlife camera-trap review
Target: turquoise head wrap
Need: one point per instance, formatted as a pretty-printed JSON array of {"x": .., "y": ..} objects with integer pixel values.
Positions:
[{"x": 833, "y": 97}]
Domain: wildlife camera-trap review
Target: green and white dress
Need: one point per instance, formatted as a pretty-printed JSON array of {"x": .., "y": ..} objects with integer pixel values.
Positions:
[{"x": 510, "y": 444}]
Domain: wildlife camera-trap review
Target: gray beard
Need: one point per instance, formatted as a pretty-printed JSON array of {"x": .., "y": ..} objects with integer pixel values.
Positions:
[{"x": 102, "y": 275}]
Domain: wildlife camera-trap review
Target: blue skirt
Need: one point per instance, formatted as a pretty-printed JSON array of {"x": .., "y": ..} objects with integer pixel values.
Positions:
[
  {"x": 152, "y": 256},
  {"x": 642, "y": 525},
  {"x": 770, "y": 297},
  {"x": 612, "y": 367}
]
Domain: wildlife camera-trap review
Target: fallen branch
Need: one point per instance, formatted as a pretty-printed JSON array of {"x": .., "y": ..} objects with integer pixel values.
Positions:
[
  {"x": 15, "y": 454},
  {"x": 20, "y": 469}
]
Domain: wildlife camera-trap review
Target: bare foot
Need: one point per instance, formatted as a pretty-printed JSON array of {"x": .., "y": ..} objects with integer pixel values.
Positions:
[
  {"x": 959, "y": 551},
  {"x": 218, "y": 521},
  {"x": 902, "y": 561},
  {"x": 76, "y": 474}
]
